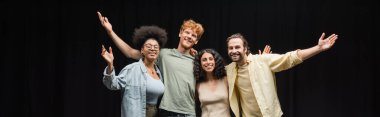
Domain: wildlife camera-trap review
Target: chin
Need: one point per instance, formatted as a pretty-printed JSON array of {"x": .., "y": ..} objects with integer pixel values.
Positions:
[
  {"x": 234, "y": 59},
  {"x": 151, "y": 59},
  {"x": 187, "y": 46},
  {"x": 208, "y": 71}
]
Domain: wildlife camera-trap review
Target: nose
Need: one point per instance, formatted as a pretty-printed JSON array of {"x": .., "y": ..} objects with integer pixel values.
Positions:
[
  {"x": 152, "y": 49},
  {"x": 208, "y": 62},
  {"x": 189, "y": 36},
  {"x": 233, "y": 50}
]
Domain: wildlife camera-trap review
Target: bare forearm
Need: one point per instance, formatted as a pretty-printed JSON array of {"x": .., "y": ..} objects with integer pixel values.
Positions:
[
  {"x": 307, "y": 53},
  {"x": 109, "y": 68},
  {"x": 124, "y": 47},
  {"x": 323, "y": 44}
]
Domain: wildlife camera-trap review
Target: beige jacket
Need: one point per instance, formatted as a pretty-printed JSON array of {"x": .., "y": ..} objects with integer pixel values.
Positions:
[{"x": 261, "y": 72}]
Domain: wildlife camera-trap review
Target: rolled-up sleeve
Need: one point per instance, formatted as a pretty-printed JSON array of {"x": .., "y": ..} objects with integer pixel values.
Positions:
[
  {"x": 113, "y": 82},
  {"x": 280, "y": 62}
]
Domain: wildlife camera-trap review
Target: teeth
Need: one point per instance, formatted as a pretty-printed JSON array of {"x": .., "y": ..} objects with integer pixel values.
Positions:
[{"x": 209, "y": 66}]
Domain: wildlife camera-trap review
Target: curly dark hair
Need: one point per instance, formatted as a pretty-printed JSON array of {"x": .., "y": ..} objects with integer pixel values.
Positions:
[
  {"x": 219, "y": 70},
  {"x": 142, "y": 34}
]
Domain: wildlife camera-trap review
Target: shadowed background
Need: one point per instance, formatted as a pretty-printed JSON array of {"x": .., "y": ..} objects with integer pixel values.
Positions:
[{"x": 52, "y": 65}]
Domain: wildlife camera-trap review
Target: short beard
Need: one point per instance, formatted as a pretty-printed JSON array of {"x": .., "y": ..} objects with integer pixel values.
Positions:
[{"x": 239, "y": 59}]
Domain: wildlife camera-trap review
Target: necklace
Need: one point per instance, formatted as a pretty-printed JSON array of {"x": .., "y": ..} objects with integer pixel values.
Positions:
[{"x": 152, "y": 71}]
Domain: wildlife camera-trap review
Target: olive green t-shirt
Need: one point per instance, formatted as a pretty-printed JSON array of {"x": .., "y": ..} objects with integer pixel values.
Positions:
[{"x": 179, "y": 81}]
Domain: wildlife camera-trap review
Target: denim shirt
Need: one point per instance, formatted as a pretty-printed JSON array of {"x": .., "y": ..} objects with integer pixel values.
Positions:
[{"x": 132, "y": 83}]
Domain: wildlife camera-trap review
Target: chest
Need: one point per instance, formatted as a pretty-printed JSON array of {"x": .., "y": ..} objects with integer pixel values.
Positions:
[{"x": 212, "y": 92}]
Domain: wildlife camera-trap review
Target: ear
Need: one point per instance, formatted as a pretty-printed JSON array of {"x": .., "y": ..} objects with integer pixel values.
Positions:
[
  {"x": 179, "y": 34},
  {"x": 245, "y": 50},
  {"x": 141, "y": 50}
]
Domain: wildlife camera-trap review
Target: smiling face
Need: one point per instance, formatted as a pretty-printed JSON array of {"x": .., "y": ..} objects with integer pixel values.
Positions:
[
  {"x": 208, "y": 62},
  {"x": 150, "y": 50},
  {"x": 188, "y": 38},
  {"x": 236, "y": 50}
]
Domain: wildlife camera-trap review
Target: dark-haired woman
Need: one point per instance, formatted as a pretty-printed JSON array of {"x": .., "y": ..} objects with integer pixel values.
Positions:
[
  {"x": 211, "y": 84},
  {"x": 140, "y": 82}
]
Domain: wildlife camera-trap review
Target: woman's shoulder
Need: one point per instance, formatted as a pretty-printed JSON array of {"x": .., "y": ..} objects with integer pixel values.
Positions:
[{"x": 133, "y": 65}]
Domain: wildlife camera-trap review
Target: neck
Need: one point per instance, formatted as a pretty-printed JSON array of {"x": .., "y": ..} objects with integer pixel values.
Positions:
[
  {"x": 182, "y": 49},
  {"x": 243, "y": 61},
  {"x": 210, "y": 77},
  {"x": 148, "y": 64}
]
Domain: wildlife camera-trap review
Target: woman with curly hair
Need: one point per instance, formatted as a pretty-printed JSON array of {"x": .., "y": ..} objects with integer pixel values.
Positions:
[
  {"x": 211, "y": 85},
  {"x": 140, "y": 82}
]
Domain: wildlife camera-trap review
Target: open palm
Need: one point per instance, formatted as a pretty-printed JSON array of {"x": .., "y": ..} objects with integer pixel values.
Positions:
[
  {"x": 328, "y": 42},
  {"x": 266, "y": 50},
  {"x": 108, "y": 56}
]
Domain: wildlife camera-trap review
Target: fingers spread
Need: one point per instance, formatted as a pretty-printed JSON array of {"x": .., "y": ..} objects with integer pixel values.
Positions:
[
  {"x": 106, "y": 19},
  {"x": 268, "y": 49},
  {"x": 99, "y": 15},
  {"x": 331, "y": 36},
  {"x": 110, "y": 50},
  {"x": 322, "y": 36},
  {"x": 333, "y": 41},
  {"x": 103, "y": 50}
]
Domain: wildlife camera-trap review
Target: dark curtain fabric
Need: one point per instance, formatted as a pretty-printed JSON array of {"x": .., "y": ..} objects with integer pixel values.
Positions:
[{"x": 51, "y": 63}]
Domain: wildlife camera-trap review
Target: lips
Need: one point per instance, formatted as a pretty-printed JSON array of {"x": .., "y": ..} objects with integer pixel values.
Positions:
[
  {"x": 208, "y": 68},
  {"x": 234, "y": 54},
  {"x": 152, "y": 54}
]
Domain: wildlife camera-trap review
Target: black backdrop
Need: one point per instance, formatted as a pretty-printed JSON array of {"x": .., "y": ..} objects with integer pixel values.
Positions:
[{"x": 52, "y": 65}]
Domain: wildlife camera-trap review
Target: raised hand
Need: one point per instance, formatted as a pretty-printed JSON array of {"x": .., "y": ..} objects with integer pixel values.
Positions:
[
  {"x": 105, "y": 23},
  {"x": 325, "y": 44},
  {"x": 266, "y": 50},
  {"x": 107, "y": 56}
]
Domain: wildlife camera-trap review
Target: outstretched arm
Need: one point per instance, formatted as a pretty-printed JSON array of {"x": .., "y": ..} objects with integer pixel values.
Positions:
[
  {"x": 280, "y": 62},
  {"x": 124, "y": 47},
  {"x": 323, "y": 44}
]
